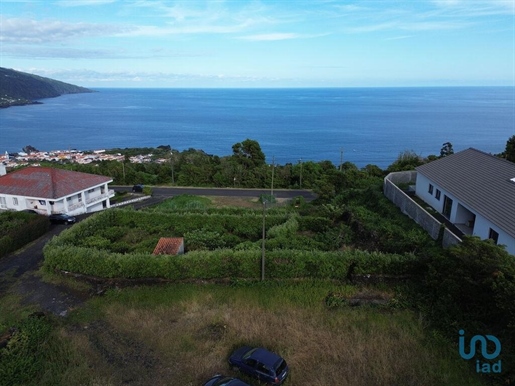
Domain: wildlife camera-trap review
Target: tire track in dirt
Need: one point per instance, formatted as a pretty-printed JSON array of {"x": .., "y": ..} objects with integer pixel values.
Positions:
[{"x": 122, "y": 358}]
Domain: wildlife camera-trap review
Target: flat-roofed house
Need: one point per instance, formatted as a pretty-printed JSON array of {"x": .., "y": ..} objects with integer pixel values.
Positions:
[
  {"x": 50, "y": 191},
  {"x": 475, "y": 191}
]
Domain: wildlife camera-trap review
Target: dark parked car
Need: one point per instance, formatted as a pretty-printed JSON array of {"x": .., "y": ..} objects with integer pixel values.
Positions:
[
  {"x": 260, "y": 364},
  {"x": 137, "y": 188},
  {"x": 222, "y": 380},
  {"x": 61, "y": 219}
]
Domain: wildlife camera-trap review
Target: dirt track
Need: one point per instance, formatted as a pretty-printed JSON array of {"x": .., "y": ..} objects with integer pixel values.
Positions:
[{"x": 18, "y": 276}]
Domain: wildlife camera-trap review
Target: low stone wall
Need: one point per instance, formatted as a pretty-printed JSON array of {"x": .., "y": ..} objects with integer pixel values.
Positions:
[{"x": 407, "y": 205}]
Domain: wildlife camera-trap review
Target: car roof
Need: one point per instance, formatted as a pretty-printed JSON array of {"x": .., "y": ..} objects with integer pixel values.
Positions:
[{"x": 266, "y": 357}]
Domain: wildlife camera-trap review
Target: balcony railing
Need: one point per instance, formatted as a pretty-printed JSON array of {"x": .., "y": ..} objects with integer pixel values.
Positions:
[
  {"x": 100, "y": 198},
  {"x": 75, "y": 206}
]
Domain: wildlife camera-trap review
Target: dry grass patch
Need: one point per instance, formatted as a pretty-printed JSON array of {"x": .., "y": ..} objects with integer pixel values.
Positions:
[{"x": 322, "y": 347}]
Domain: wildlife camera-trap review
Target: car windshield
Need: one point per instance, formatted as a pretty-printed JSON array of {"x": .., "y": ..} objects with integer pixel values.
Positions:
[{"x": 249, "y": 353}]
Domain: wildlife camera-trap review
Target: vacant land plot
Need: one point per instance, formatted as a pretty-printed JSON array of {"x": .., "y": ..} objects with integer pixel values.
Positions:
[{"x": 183, "y": 334}]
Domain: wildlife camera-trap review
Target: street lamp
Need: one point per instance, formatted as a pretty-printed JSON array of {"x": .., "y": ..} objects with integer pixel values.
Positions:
[{"x": 263, "y": 245}]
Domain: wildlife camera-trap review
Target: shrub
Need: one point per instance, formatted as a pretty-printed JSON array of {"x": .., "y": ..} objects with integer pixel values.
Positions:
[
  {"x": 19, "y": 229},
  {"x": 22, "y": 361}
]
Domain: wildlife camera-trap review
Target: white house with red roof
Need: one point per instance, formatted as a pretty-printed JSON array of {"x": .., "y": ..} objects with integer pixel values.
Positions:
[{"x": 51, "y": 191}]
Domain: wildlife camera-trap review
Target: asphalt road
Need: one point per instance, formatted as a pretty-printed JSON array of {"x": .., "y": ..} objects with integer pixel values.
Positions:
[{"x": 308, "y": 195}]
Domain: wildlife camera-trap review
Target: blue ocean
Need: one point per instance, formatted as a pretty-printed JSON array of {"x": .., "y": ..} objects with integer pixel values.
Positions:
[{"x": 369, "y": 125}]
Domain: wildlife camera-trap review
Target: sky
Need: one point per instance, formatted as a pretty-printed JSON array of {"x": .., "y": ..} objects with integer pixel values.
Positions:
[{"x": 261, "y": 43}]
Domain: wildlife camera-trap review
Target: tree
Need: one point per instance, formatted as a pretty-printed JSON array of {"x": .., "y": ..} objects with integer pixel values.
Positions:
[
  {"x": 30, "y": 149},
  {"x": 248, "y": 153},
  {"x": 446, "y": 149},
  {"x": 510, "y": 149},
  {"x": 407, "y": 160}
]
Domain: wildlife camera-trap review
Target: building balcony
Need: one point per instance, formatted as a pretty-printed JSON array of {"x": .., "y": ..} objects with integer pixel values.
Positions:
[{"x": 101, "y": 197}]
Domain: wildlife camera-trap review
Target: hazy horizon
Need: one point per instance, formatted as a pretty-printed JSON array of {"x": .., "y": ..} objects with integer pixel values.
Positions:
[{"x": 261, "y": 43}]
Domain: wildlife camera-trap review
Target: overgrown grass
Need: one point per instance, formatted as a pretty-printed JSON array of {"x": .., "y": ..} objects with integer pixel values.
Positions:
[
  {"x": 185, "y": 201},
  {"x": 187, "y": 331}
]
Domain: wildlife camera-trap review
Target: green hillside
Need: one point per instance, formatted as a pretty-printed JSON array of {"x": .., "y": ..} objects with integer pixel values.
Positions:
[{"x": 20, "y": 88}]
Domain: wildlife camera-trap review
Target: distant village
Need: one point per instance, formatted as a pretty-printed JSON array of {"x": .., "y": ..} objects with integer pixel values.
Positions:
[{"x": 11, "y": 160}]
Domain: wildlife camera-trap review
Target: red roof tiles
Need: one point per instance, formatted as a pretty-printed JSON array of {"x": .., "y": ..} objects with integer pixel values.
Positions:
[
  {"x": 44, "y": 182},
  {"x": 168, "y": 246}
]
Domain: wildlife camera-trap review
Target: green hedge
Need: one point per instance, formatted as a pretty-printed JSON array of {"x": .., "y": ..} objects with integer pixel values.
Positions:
[
  {"x": 222, "y": 263},
  {"x": 94, "y": 247},
  {"x": 19, "y": 229}
]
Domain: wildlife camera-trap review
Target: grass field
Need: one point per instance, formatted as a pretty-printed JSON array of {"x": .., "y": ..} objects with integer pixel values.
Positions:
[{"x": 182, "y": 334}]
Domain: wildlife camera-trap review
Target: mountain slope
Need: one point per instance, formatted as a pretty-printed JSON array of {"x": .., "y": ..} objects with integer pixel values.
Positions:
[{"x": 20, "y": 88}]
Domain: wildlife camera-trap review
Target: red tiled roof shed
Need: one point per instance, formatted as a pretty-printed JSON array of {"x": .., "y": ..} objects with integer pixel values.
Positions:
[
  {"x": 169, "y": 246},
  {"x": 44, "y": 182}
]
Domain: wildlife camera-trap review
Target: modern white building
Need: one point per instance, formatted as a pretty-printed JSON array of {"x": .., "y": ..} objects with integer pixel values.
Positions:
[
  {"x": 475, "y": 191},
  {"x": 50, "y": 191}
]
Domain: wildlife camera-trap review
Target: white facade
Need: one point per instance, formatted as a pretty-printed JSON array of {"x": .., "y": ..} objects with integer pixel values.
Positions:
[
  {"x": 89, "y": 200},
  {"x": 465, "y": 218}
]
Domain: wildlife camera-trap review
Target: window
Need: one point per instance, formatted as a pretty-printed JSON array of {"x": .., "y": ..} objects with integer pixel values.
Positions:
[
  {"x": 79, "y": 196},
  {"x": 493, "y": 235},
  {"x": 68, "y": 198},
  {"x": 262, "y": 368},
  {"x": 438, "y": 194},
  {"x": 250, "y": 362},
  {"x": 430, "y": 191},
  {"x": 3, "y": 204},
  {"x": 15, "y": 201}
]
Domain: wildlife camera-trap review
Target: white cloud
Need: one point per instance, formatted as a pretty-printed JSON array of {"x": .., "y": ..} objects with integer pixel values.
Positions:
[
  {"x": 80, "y": 3},
  {"x": 399, "y": 37},
  {"x": 278, "y": 36},
  {"x": 15, "y": 30},
  {"x": 476, "y": 8},
  {"x": 83, "y": 76},
  {"x": 67, "y": 52}
]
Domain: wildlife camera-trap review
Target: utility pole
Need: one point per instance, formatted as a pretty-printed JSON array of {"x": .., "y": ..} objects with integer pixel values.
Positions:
[
  {"x": 263, "y": 245},
  {"x": 300, "y": 174},
  {"x": 273, "y": 170},
  {"x": 171, "y": 161},
  {"x": 341, "y": 158}
]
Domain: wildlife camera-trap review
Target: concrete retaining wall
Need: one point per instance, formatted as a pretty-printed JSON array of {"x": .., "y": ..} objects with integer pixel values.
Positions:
[
  {"x": 449, "y": 239},
  {"x": 407, "y": 205},
  {"x": 413, "y": 210}
]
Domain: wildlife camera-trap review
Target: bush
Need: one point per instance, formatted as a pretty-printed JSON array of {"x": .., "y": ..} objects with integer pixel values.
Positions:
[
  {"x": 22, "y": 361},
  {"x": 222, "y": 263},
  {"x": 20, "y": 228}
]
